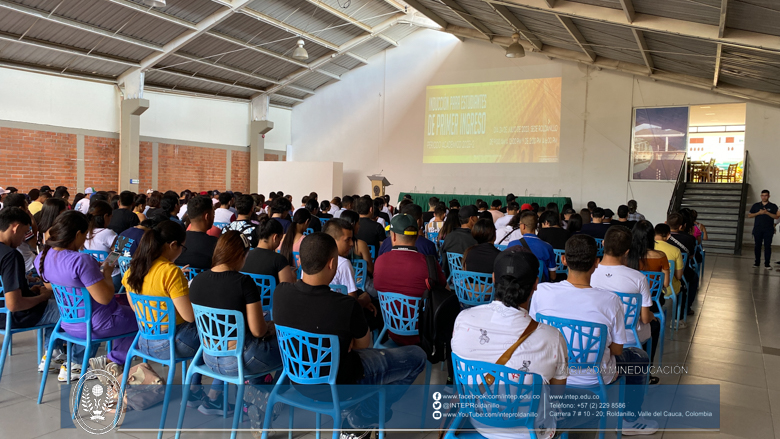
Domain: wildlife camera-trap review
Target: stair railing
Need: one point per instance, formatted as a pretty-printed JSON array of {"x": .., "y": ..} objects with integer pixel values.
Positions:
[
  {"x": 679, "y": 189},
  {"x": 743, "y": 206}
]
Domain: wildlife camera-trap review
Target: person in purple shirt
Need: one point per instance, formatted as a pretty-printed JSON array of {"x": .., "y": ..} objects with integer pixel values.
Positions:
[{"x": 60, "y": 263}]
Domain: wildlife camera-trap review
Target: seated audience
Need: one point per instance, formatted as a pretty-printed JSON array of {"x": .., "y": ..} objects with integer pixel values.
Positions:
[
  {"x": 699, "y": 231},
  {"x": 223, "y": 214},
  {"x": 596, "y": 228},
  {"x": 123, "y": 218},
  {"x": 430, "y": 213},
  {"x": 341, "y": 231},
  {"x": 313, "y": 207},
  {"x": 83, "y": 204},
  {"x": 29, "y": 245},
  {"x": 483, "y": 333},
  {"x": 585, "y": 216},
  {"x": 280, "y": 211},
  {"x": 360, "y": 249},
  {"x": 542, "y": 250},
  {"x": 200, "y": 245},
  {"x": 346, "y": 204},
  {"x": 509, "y": 198},
  {"x": 459, "y": 239},
  {"x": 633, "y": 215},
  {"x": 512, "y": 209},
  {"x": 60, "y": 263},
  {"x": 673, "y": 254},
  {"x": 511, "y": 231},
  {"x": 643, "y": 255},
  {"x": 52, "y": 208},
  {"x": 437, "y": 222},
  {"x": 622, "y": 214},
  {"x": 134, "y": 233},
  {"x": 379, "y": 211},
  {"x": 575, "y": 299},
  {"x": 139, "y": 206},
  {"x": 264, "y": 259},
  {"x": 36, "y": 205},
  {"x": 99, "y": 236},
  {"x": 292, "y": 238},
  {"x": 681, "y": 225},
  {"x": 224, "y": 287},
  {"x": 574, "y": 225},
  {"x": 566, "y": 216},
  {"x": 608, "y": 214},
  {"x": 370, "y": 231},
  {"x": 482, "y": 210},
  {"x": 551, "y": 231},
  {"x": 480, "y": 257},
  {"x": 325, "y": 210},
  {"x": 495, "y": 210},
  {"x": 423, "y": 244},
  {"x": 245, "y": 207},
  {"x": 310, "y": 305}
]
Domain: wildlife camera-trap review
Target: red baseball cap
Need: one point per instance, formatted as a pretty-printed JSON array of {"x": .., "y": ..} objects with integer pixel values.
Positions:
[{"x": 526, "y": 206}]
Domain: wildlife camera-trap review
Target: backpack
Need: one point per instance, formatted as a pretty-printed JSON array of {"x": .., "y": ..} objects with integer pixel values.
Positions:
[{"x": 437, "y": 312}]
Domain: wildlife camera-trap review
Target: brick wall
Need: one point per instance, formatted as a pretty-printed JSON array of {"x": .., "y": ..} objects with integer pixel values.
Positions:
[
  {"x": 239, "y": 172},
  {"x": 182, "y": 167},
  {"x": 101, "y": 163},
  {"x": 275, "y": 157},
  {"x": 33, "y": 158},
  {"x": 145, "y": 167}
]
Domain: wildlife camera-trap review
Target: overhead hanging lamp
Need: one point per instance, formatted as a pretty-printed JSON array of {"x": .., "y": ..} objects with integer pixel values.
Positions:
[
  {"x": 300, "y": 53},
  {"x": 515, "y": 50},
  {"x": 155, "y": 3}
]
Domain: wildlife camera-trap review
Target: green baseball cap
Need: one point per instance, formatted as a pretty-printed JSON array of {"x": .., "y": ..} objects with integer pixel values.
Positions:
[{"x": 401, "y": 222}]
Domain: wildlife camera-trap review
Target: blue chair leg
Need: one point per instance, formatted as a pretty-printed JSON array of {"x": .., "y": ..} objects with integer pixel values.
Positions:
[
  {"x": 291, "y": 422},
  {"x": 336, "y": 415},
  {"x": 317, "y": 425},
  {"x": 108, "y": 347},
  {"x": 382, "y": 397},
  {"x": 183, "y": 370},
  {"x": 4, "y": 352},
  {"x": 167, "y": 397},
  {"x": 238, "y": 411},
  {"x": 46, "y": 367},
  {"x": 185, "y": 394},
  {"x": 39, "y": 343},
  {"x": 125, "y": 375},
  {"x": 225, "y": 391}
]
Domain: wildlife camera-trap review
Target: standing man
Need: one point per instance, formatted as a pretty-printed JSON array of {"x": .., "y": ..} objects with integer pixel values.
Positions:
[{"x": 764, "y": 213}]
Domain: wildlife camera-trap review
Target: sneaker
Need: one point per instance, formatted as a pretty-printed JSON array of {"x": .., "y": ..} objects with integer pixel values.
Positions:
[
  {"x": 195, "y": 399},
  {"x": 768, "y": 267},
  {"x": 691, "y": 311},
  {"x": 75, "y": 373},
  {"x": 102, "y": 363},
  {"x": 682, "y": 325},
  {"x": 355, "y": 434},
  {"x": 639, "y": 426},
  {"x": 57, "y": 358},
  {"x": 209, "y": 407},
  {"x": 756, "y": 265}
]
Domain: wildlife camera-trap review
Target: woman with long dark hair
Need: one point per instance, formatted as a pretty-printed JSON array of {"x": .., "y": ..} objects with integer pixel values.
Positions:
[
  {"x": 292, "y": 238},
  {"x": 480, "y": 257},
  {"x": 450, "y": 223},
  {"x": 99, "y": 236},
  {"x": 51, "y": 209},
  {"x": 642, "y": 255},
  {"x": 264, "y": 259},
  {"x": 139, "y": 206},
  {"x": 60, "y": 263},
  {"x": 575, "y": 223},
  {"x": 224, "y": 287}
]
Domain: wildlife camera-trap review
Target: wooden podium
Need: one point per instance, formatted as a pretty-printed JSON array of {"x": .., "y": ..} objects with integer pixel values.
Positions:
[{"x": 378, "y": 184}]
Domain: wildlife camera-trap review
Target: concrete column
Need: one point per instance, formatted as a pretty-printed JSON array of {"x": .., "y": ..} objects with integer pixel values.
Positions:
[
  {"x": 228, "y": 173},
  {"x": 257, "y": 130},
  {"x": 129, "y": 142},
  {"x": 80, "y": 164},
  {"x": 155, "y": 168}
]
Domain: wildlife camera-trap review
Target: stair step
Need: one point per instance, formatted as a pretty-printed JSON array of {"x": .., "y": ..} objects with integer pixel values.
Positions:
[
  {"x": 721, "y": 237},
  {"x": 713, "y": 191},
  {"x": 721, "y": 186},
  {"x": 712, "y": 197},
  {"x": 735, "y": 204},
  {"x": 708, "y": 218},
  {"x": 717, "y": 210},
  {"x": 718, "y": 244},
  {"x": 714, "y": 230},
  {"x": 720, "y": 251}
]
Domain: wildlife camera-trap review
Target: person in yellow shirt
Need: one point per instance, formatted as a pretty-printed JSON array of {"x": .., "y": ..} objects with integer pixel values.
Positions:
[
  {"x": 662, "y": 234},
  {"x": 152, "y": 273},
  {"x": 37, "y": 205}
]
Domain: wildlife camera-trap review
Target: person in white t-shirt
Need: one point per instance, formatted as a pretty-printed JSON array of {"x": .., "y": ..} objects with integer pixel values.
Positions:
[
  {"x": 484, "y": 333},
  {"x": 223, "y": 214},
  {"x": 512, "y": 209},
  {"x": 510, "y": 232},
  {"x": 346, "y": 204},
  {"x": 83, "y": 204},
  {"x": 576, "y": 299},
  {"x": 100, "y": 237},
  {"x": 613, "y": 275}
]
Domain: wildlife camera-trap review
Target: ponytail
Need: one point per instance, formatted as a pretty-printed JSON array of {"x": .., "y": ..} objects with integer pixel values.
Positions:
[
  {"x": 150, "y": 249},
  {"x": 62, "y": 233},
  {"x": 97, "y": 216},
  {"x": 300, "y": 219}
]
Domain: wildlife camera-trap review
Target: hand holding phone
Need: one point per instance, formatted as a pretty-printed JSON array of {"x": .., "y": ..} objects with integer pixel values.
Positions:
[{"x": 112, "y": 258}]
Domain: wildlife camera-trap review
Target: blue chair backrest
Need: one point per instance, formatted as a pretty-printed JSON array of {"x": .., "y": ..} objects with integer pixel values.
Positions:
[
  {"x": 455, "y": 261},
  {"x": 191, "y": 272},
  {"x": 655, "y": 280},
  {"x": 561, "y": 268},
  {"x": 3, "y": 308},
  {"x": 599, "y": 247},
  {"x": 372, "y": 251},
  {"x": 632, "y": 306},
  {"x": 508, "y": 396},
  {"x": 266, "y": 286},
  {"x": 74, "y": 304},
  {"x": 473, "y": 288},
  {"x": 501, "y": 247},
  {"x": 123, "y": 263},
  {"x": 154, "y": 315},
  {"x": 217, "y": 328},
  {"x": 99, "y": 255},
  {"x": 399, "y": 313},
  {"x": 308, "y": 358},
  {"x": 323, "y": 221},
  {"x": 432, "y": 236},
  {"x": 339, "y": 288},
  {"x": 298, "y": 268},
  {"x": 221, "y": 225},
  {"x": 308, "y": 231},
  {"x": 361, "y": 268},
  {"x": 685, "y": 259},
  {"x": 585, "y": 340}
]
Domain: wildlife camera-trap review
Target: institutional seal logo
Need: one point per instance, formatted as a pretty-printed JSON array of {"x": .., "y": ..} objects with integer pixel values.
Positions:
[{"x": 94, "y": 402}]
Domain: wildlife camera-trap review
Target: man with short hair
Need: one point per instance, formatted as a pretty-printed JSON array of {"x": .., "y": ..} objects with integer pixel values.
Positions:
[
  {"x": 123, "y": 218},
  {"x": 551, "y": 231},
  {"x": 370, "y": 231},
  {"x": 223, "y": 214},
  {"x": 403, "y": 269},
  {"x": 428, "y": 216},
  {"x": 310, "y": 305},
  {"x": 280, "y": 211},
  {"x": 612, "y": 274},
  {"x": 30, "y": 240},
  {"x": 346, "y": 204},
  {"x": 200, "y": 246},
  {"x": 83, "y": 204},
  {"x": 633, "y": 215},
  {"x": 482, "y": 210},
  {"x": 458, "y": 240},
  {"x": 37, "y": 204},
  {"x": 567, "y": 213},
  {"x": 608, "y": 214},
  {"x": 423, "y": 244},
  {"x": 622, "y": 214},
  {"x": 764, "y": 213},
  {"x": 512, "y": 209},
  {"x": 542, "y": 250},
  {"x": 439, "y": 212},
  {"x": 454, "y": 204},
  {"x": 245, "y": 206},
  {"x": 380, "y": 211},
  {"x": 596, "y": 228},
  {"x": 495, "y": 210},
  {"x": 576, "y": 299}
]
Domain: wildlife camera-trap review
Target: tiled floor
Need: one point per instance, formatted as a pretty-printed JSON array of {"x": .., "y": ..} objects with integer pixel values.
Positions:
[{"x": 732, "y": 341}]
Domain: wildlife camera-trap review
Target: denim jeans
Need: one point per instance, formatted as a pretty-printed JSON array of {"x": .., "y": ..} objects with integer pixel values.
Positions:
[
  {"x": 51, "y": 315},
  {"x": 765, "y": 237},
  {"x": 259, "y": 356},
  {"x": 186, "y": 341},
  {"x": 394, "y": 368},
  {"x": 632, "y": 364}
]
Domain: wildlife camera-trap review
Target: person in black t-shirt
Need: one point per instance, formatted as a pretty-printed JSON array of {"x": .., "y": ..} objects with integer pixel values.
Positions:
[
  {"x": 200, "y": 246},
  {"x": 596, "y": 228},
  {"x": 551, "y": 231},
  {"x": 370, "y": 231},
  {"x": 428, "y": 216},
  {"x": 622, "y": 220},
  {"x": 123, "y": 218},
  {"x": 480, "y": 257},
  {"x": 310, "y": 305},
  {"x": 264, "y": 259},
  {"x": 324, "y": 209},
  {"x": 314, "y": 209},
  {"x": 379, "y": 206},
  {"x": 224, "y": 287},
  {"x": 764, "y": 213}
]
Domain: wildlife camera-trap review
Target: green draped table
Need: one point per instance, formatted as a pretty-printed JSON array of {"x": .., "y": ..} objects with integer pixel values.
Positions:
[{"x": 422, "y": 199}]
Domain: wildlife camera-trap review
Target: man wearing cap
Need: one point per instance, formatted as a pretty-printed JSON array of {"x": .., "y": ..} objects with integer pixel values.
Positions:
[
  {"x": 458, "y": 240},
  {"x": 483, "y": 333},
  {"x": 83, "y": 204},
  {"x": 404, "y": 270}
]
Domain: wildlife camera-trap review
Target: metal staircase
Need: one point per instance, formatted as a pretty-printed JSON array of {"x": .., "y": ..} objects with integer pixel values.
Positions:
[{"x": 721, "y": 208}]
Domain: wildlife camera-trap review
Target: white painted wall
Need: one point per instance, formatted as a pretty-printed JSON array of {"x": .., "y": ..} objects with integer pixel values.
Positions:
[
  {"x": 321, "y": 177},
  {"x": 278, "y": 138},
  {"x": 50, "y": 100},
  {"x": 373, "y": 120}
]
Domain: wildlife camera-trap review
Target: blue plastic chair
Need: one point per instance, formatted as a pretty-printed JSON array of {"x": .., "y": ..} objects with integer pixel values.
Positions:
[
  {"x": 400, "y": 314},
  {"x": 191, "y": 272},
  {"x": 266, "y": 286},
  {"x": 695, "y": 264},
  {"x": 308, "y": 231},
  {"x": 75, "y": 306},
  {"x": 473, "y": 288},
  {"x": 501, "y": 247},
  {"x": 221, "y": 226},
  {"x": 372, "y": 251},
  {"x": 586, "y": 342},
  {"x": 599, "y": 247},
  {"x": 8, "y": 332},
  {"x": 454, "y": 262},
  {"x": 99, "y": 255},
  {"x": 123, "y": 263},
  {"x": 655, "y": 280},
  {"x": 680, "y": 305},
  {"x": 433, "y": 237},
  {"x": 632, "y": 310},
  {"x": 561, "y": 268},
  {"x": 298, "y": 268},
  {"x": 339, "y": 288},
  {"x": 313, "y": 359},
  {"x": 156, "y": 317},
  {"x": 494, "y": 410},
  {"x": 361, "y": 269},
  {"x": 675, "y": 296},
  {"x": 217, "y": 329},
  {"x": 323, "y": 221}
]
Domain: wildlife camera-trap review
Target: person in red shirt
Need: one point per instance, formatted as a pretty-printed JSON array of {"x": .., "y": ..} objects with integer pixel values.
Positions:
[{"x": 403, "y": 270}]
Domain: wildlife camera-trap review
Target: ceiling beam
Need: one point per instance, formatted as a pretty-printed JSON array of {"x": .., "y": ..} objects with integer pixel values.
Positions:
[
  {"x": 321, "y": 72},
  {"x": 356, "y": 57},
  {"x": 154, "y": 13},
  {"x": 286, "y": 27},
  {"x": 205, "y": 61},
  {"x": 427, "y": 12},
  {"x": 577, "y": 36},
  {"x": 550, "y": 3},
  {"x": 717, "y": 65},
  {"x": 47, "y": 16},
  {"x": 292, "y": 98},
  {"x": 520, "y": 28},
  {"x": 68, "y": 50},
  {"x": 58, "y": 72},
  {"x": 628, "y": 9},
  {"x": 651, "y": 23},
  {"x": 724, "y": 5},
  {"x": 639, "y": 36},
  {"x": 216, "y": 81},
  {"x": 396, "y": 5},
  {"x": 387, "y": 39},
  {"x": 336, "y": 13},
  {"x": 466, "y": 16},
  {"x": 256, "y": 48}
]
